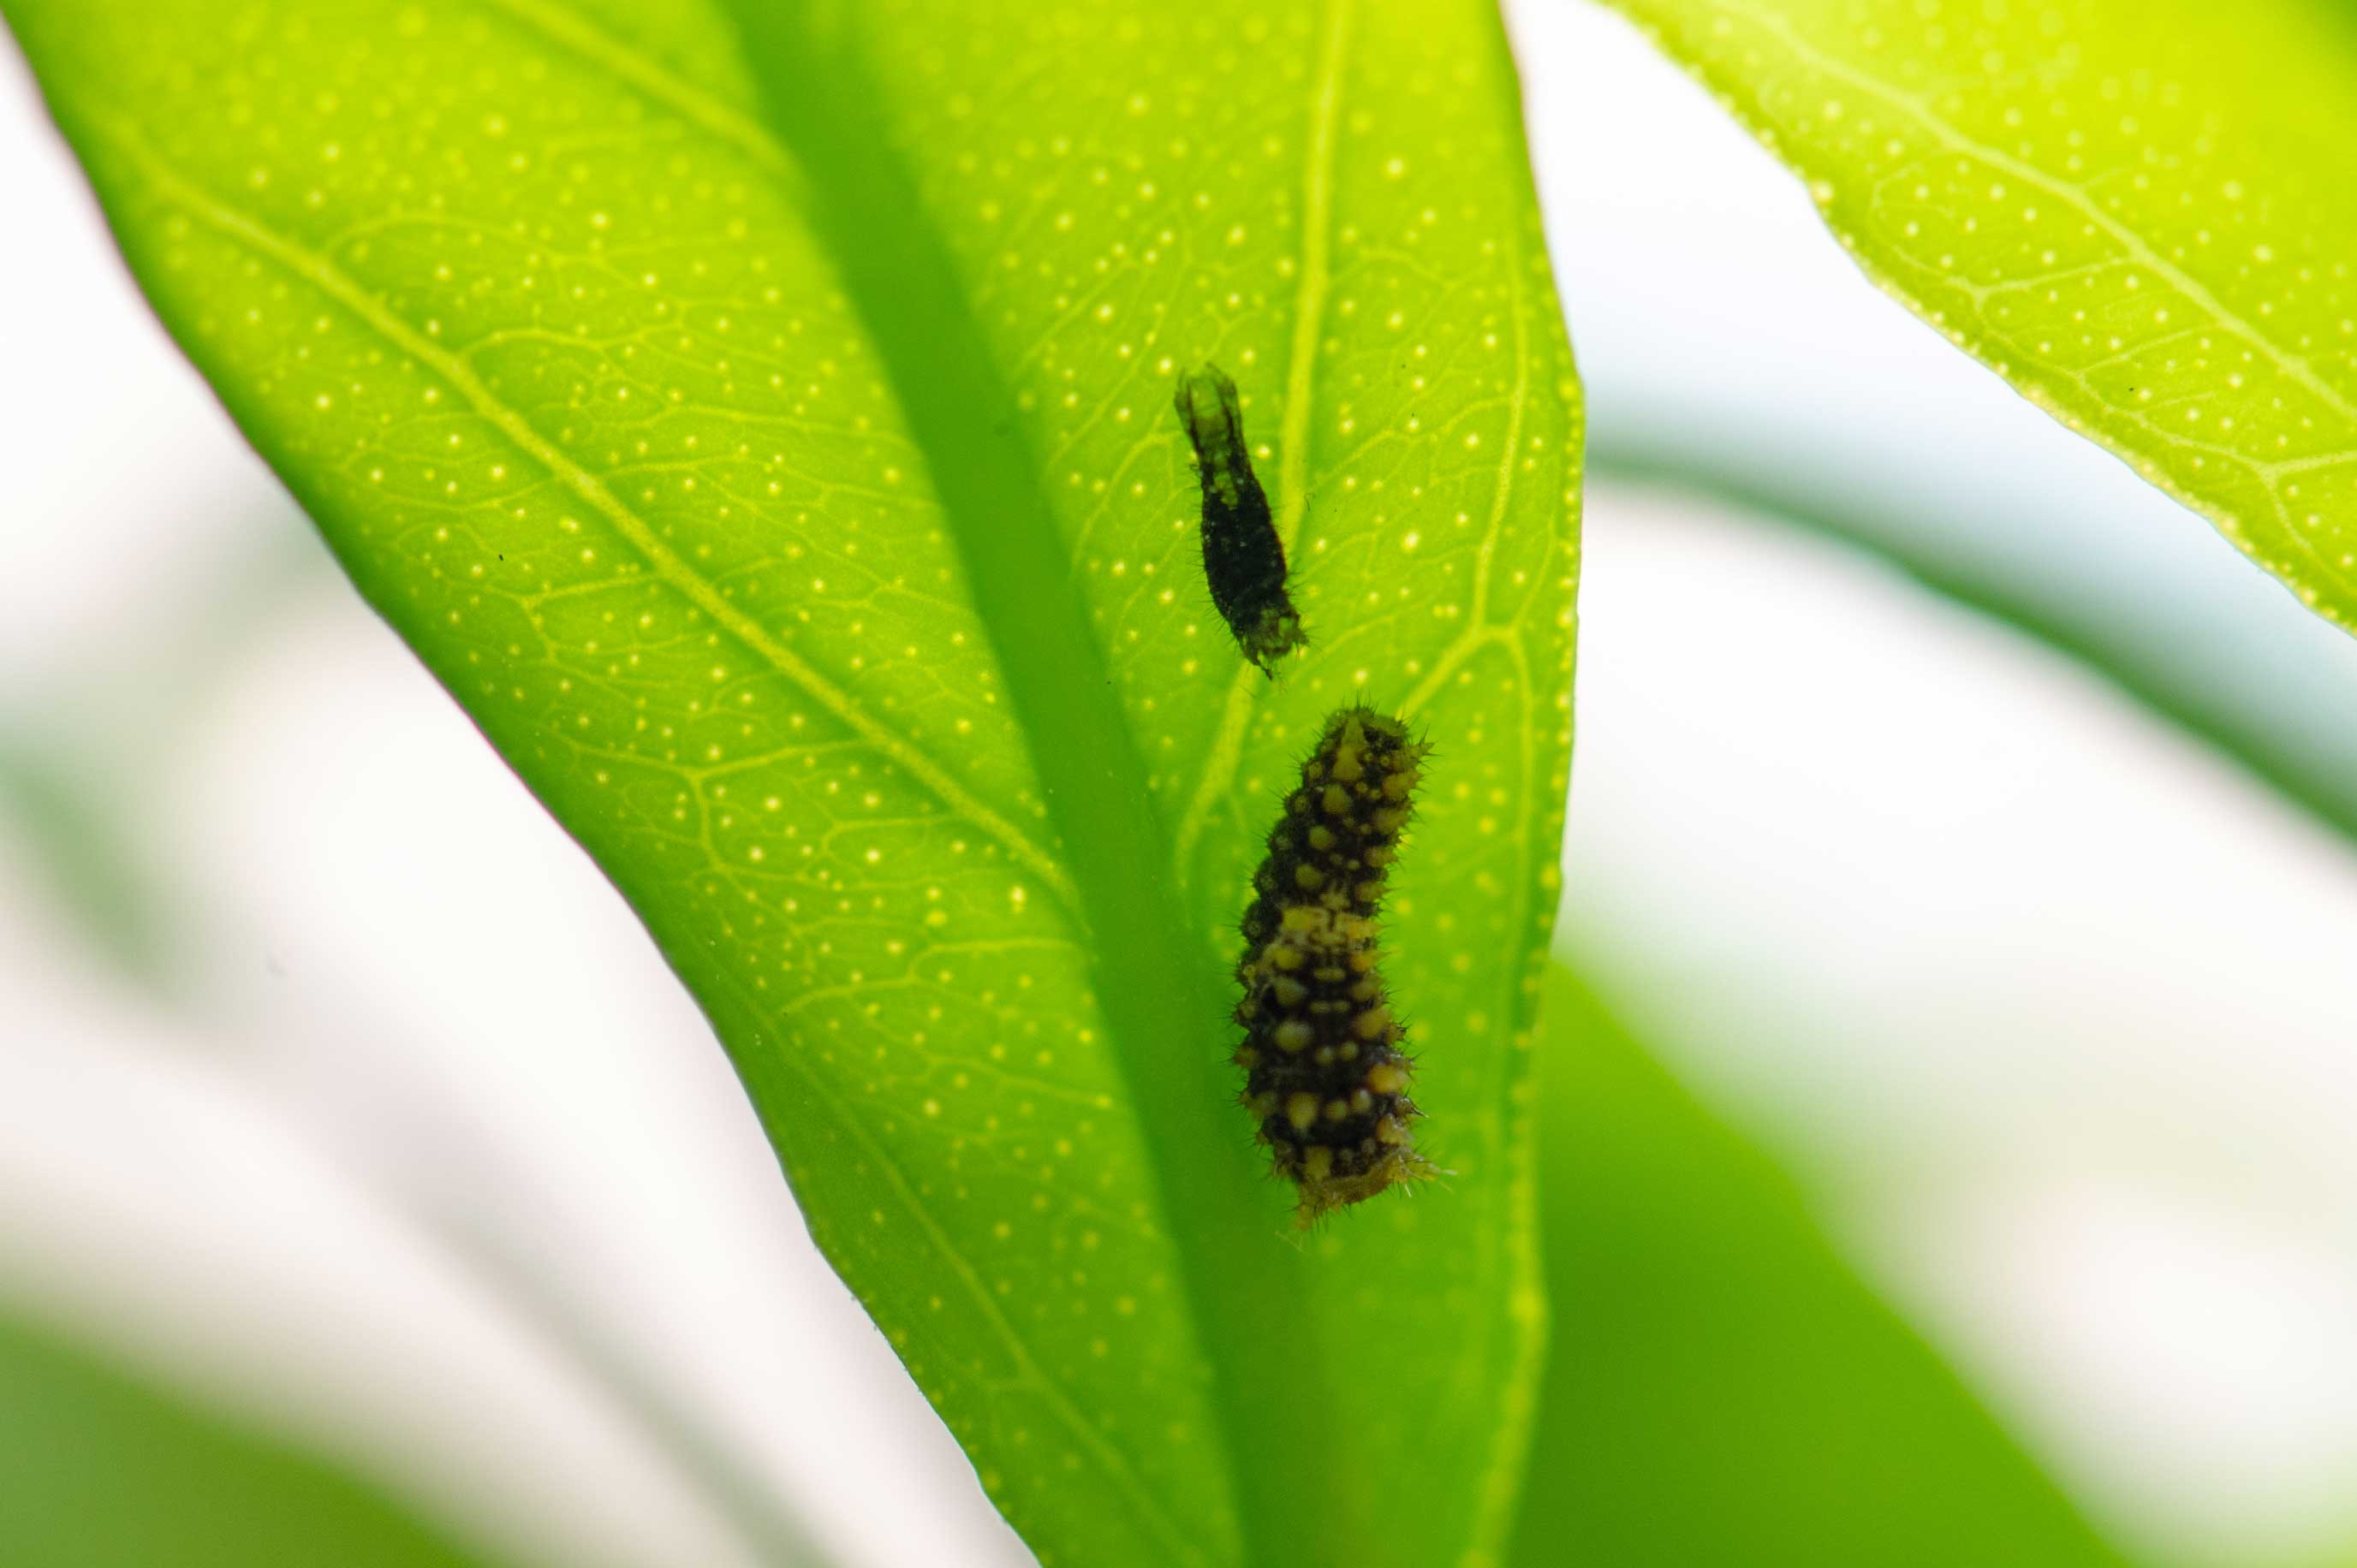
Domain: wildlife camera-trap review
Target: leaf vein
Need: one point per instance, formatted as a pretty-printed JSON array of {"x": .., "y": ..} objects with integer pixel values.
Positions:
[
  {"x": 659, "y": 558},
  {"x": 1300, "y": 381}
]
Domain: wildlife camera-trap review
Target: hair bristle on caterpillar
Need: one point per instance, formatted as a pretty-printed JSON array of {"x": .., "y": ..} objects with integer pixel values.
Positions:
[{"x": 1325, "y": 1076}]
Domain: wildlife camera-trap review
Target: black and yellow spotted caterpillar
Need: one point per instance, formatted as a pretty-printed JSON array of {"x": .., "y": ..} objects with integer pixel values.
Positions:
[
  {"x": 1324, "y": 1074},
  {"x": 1243, "y": 559}
]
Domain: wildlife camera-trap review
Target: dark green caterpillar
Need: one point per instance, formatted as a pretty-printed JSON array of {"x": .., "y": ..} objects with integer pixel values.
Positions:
[
  {"x": 1325, "y": 1077},
  {"x": 1244, "y": 559}
]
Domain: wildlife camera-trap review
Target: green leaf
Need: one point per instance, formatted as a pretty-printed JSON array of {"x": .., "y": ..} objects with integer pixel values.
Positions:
[
  {"x": 72, "y": 834},
  {"x": 2136, "y": 210},
  {"x": 1724, "y": 1389},
  {"x": 771, "y": 446},
  {"x": 104, "y": 1471}
]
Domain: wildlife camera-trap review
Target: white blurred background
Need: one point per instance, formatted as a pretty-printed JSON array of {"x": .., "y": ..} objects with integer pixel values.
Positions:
[{"x": 334, "y": 1079}]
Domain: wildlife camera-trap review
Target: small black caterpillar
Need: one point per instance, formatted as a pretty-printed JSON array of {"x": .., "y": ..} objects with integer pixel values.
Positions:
[
  {"x": 1243, "y": 558},
  {"x": 1324, "y": 1074}
]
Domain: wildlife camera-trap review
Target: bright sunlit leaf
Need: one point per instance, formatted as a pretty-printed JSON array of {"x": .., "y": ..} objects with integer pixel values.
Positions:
[
  {"x": 2137, "y": 212},
  {"x": 771, "y": 445}
]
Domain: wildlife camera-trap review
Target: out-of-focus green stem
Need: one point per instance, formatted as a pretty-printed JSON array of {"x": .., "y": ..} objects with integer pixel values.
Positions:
[{"x": 2258, "y": 681}]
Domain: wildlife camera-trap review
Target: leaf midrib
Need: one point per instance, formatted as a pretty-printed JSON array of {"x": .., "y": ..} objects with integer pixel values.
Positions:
[
  {"x": 1164, "y": 1001},
  {"x": 675, "y": 572},
  {"x": 1162, "y": 998}
]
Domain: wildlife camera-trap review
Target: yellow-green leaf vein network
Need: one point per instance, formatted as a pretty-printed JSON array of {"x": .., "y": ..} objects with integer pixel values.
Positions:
[
  {"x": 2137, "y": 212},
  {"x": 766, "y": 440}
]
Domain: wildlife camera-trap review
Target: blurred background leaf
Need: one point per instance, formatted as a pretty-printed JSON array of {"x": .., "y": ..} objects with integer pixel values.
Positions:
[
  {"x": 105, "y": 1470},
  {"x": 2256, "y": 684},
  {"x": 1725, "y": 1390}
]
